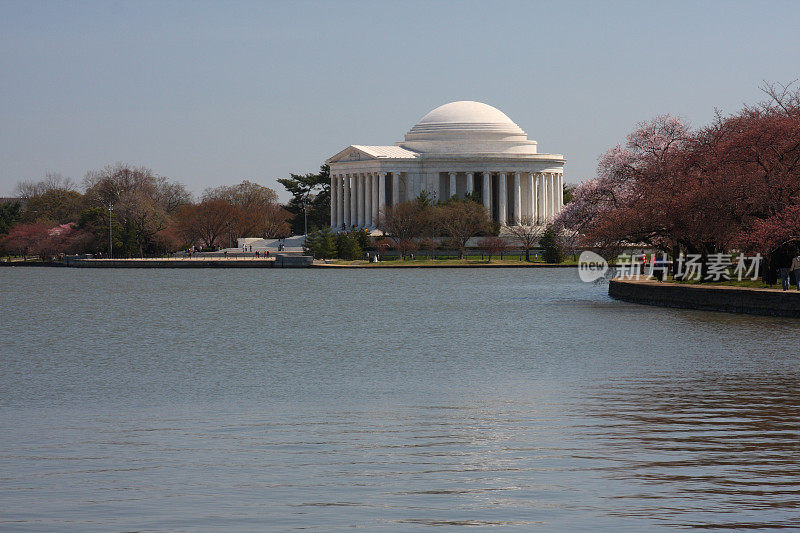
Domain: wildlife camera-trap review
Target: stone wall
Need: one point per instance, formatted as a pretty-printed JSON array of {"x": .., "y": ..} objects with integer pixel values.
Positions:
[
  {"x": 275, "y": 261},
  {"x": 771, "y": 302}
]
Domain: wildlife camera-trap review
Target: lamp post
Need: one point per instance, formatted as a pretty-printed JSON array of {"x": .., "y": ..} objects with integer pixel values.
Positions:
[
  {"x": 305, "y": 214},
  {"x": 110, "y": 240}
]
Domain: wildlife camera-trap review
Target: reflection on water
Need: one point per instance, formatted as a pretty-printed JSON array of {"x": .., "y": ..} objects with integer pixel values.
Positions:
[
  {"x": 714, "y": 451},
  {"x": 385, "y": 400}
]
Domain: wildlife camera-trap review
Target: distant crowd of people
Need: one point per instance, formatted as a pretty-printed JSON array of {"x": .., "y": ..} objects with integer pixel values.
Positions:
[{"x": 247, "y": 248}]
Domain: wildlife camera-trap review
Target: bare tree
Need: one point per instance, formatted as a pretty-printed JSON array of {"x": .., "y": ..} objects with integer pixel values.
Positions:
[
  {"x": 206, "y": 222},
  {"x": 171, "y": 195},
  {"x": 781, "y": 95},
  {"x": 527, "y": 234},
  {"x": 143, "y": 202},
  {"x": 254, "y": 207},
  {"x": 51, "y": 200},
  {"x": 406, "y": 220},
  {"x": 406, "y": 247},
  {"x": 493, "y": 246},
  {"x": 51, "y": 182},
  {"x": 460, "y": 221},
  {"x": 54, "y": 206},
  {"x": 276, "y": 222},
  {"x": 142, "y": 216},
  {"x": 111, "y": 183}
]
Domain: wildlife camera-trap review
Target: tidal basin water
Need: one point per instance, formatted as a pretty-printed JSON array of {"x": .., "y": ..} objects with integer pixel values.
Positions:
[{"x": 388, "y": 400}]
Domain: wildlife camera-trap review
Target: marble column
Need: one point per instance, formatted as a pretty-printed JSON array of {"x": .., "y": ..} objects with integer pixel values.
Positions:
[
  {"x": 334, "y": 201},
  {"x": 542, "y": 192},
  {"x": 368, "y": 200},
  {"x": 554, "y": 180},
  {"x": 354, "y": 199},
  {"x": 502, "y": 204},
  {"x": 551, "y": 196},
  {"x": 395, "y": 188},
  {"x": 560, "y": 191},
  {"x": 354, "y": 185},
  {"x": 548, "y": 196},
  {"x": 375, "y": 204},
  {"x": 364, "y": 200},
  {"x": 342, "y": 200},
  {"x": 360, "y": 178},
  {"x": 340, "y": 203},
  {"x": 452, "y": 191},
  {"x": 517, "y": 199},
  {"x": 470, "y": 183},
  {"x": 487, "y": 192},
  {"x": 545, "y": 198},
  {"x": 531, "y": 198},
  {"x": 381, "y": 191},
  {"x": 348, "y": 205}
]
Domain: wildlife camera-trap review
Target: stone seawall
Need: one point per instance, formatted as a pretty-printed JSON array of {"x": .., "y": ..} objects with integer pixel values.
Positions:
[
  {"x": 277, "y": 261},
  {"x": 770, "y": 302}
]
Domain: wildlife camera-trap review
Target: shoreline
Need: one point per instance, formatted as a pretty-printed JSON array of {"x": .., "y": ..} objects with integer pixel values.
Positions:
[
  {"x": 720, "y": 298},
  {"x": 451, "y": 265},
  {"x": 275, "y": 261}
]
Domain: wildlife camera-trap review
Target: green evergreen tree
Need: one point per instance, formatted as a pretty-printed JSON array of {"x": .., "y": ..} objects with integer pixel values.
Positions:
[
  {"x": 347, "y": 246},
  {"x": 314, "y": 190},
  {"x": 320, "y": 244},
  {"x": 552, "y": 246},
  {"x": 363, "y": 240},
  {"x": 474, "y": 196},
  {"x": 95, "y": 221},
  {"x": 328, "y": 244},
  {"x": 311, "y": 244},
  {"x": 425, "y": 198},
  {"x": 10, "y": 213}
]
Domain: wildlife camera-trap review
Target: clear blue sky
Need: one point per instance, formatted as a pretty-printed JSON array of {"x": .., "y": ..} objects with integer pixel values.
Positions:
[{"x": 213, "y": 93}]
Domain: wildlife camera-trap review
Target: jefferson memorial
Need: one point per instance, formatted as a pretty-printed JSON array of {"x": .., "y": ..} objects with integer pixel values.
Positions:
[{"x": 457, "y": 149}]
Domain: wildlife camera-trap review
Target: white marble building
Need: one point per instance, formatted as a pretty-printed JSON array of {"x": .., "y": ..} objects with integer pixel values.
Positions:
[{"x": 456, "y": 149}]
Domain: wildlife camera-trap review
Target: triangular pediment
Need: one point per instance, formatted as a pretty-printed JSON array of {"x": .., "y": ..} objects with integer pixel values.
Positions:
[
  {"x": 357, "y": 152},
  {"x": 351, "y": 153}
]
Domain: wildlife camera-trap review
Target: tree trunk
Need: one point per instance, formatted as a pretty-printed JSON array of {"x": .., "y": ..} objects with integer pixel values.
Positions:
[
  {"x": 703, "y": 267},
  {"x": 676, "y": 250}
]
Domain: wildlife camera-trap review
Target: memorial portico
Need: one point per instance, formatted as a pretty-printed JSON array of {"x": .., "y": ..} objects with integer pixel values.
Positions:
[{"x": 458, "y": 149}]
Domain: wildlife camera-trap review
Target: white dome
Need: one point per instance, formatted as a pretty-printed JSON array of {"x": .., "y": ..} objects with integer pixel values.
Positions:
[
  {"x": 468, "y": 115},
  {"x": 466, "y": 127}
]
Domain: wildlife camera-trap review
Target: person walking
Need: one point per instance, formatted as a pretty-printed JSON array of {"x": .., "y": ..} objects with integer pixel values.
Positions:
[
  {"x": 796, "y": 270},
  {"x": 784, "y": 278}
]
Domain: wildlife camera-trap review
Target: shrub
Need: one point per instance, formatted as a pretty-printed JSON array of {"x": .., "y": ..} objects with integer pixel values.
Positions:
[
  {"x": 321, "y": 244},
  {"x": 347, "y": 246},
  {"x": 552, "y": 246}
]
